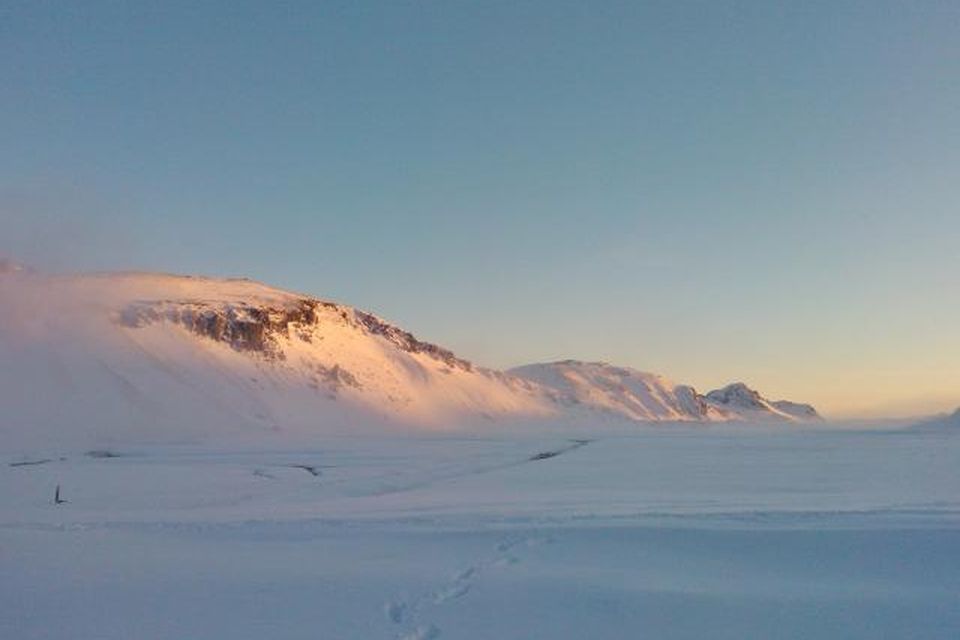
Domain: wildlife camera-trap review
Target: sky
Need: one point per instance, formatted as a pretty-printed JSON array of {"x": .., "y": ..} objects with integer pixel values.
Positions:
[{"x": 715, "y": 191}]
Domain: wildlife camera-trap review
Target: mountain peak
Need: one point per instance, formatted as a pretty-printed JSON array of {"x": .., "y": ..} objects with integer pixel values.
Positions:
[
  {"x": 737, "y": 394},
  {"x": 748, "y": 402}
]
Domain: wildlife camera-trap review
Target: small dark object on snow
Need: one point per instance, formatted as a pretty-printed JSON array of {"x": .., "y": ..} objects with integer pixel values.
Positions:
[
  {"x": 546, "y": 455},
  {"x": 102, "y": 453},
  {"x": 56, "y": 497},
  {"x": 29, "y": 463},
  {"x": 309, "y": 468}
]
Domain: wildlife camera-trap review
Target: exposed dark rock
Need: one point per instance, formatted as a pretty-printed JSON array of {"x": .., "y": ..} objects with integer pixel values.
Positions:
[
  {"x": 309, "y": 468},
  {"x": 255, "y": 329},
  {"x": 407, "y": 342},
  {"x": 102, "y": 453},
  {"x": 244, "y": 327},
  {"x": 737, "y": 394},
  {"x": 546, "y": 455}
]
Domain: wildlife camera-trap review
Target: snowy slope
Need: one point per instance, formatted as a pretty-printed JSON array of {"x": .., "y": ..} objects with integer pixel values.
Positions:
[
  {"x": 638, "y": 395},
  {"x": 170, "y": 357},
  {"x": 748, "y": 404},
  {"x": 620, "y": 391},
  {"x": 154, "y": 357}
]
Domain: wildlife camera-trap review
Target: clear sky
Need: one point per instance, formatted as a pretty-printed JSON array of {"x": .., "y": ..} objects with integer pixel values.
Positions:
[{"x": 716, "y": 191}]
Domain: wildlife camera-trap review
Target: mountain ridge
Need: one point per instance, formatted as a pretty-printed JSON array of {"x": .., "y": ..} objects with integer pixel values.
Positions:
[
  {"x": 187, "y": 353},
  {"x": 644, "y": 396}
]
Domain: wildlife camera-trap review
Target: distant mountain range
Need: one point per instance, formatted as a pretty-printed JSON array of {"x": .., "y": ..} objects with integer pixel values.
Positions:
[
  {"x": 169, "y": 357},
  {"x": 645, "y": 397},
  {"x": 948, "y": 421}
]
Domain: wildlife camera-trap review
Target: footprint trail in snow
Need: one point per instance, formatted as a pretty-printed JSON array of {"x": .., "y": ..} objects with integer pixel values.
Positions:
[{"x": 410, "y": 613}]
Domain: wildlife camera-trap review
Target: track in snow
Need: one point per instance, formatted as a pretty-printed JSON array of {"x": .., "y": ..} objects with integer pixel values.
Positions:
[
  {"x": 444, "y": 477},
  {"x": 411, "y": 615}
]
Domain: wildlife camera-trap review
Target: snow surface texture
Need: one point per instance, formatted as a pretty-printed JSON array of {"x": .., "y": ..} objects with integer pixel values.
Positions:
[
  {"x": 139, "y": 357},
  {"x": 193, "y": 458},
  {"x": 657, "y": 532}
]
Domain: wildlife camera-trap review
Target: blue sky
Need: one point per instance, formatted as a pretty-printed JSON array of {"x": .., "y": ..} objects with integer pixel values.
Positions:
[{"x": 760, "y": 191}]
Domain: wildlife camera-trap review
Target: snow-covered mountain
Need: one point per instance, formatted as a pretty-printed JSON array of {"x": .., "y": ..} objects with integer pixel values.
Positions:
[
  {"x": 748, "y": 404},
  {"x": 642, "y": 396},
  {"x": 619, "y": 391},
  {"x": 163, "y": 357}
]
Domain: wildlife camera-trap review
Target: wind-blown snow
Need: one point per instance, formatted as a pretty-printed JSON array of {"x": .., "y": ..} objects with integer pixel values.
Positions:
[
  {"x": 620, "y": 391},
  {"x": 146, "y": 357},
  {"x": 140, "y": 357}
]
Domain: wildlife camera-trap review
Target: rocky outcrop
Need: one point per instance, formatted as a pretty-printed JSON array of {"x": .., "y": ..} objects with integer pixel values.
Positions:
[
  {"x": 742, "y": 402},
  {"x": 737, "y": 395},
  {"x": 243, "y": 327},
  {"x": 257, "y": 329},
  {"x": 407, "y": 342}
]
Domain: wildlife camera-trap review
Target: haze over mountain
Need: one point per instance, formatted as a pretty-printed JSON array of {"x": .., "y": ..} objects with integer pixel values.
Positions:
[
  {"x": 943, "y": 421},
  {"x": 163, "y": 357}
]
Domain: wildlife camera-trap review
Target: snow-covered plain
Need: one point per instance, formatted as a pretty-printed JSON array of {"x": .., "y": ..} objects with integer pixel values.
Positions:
[
  {"x": 237, "y": 461},
  {"x": 673, "y": 531}
]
